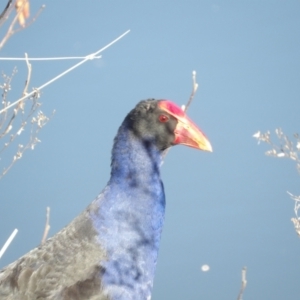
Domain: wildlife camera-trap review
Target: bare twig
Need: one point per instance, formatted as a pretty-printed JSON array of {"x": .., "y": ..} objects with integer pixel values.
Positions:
[
  {"x": 244, "y": 284},
  {"x": 28, "y": 74},
  {"x": 88, "y": 57},
  {"x": 29, "y": 68},
  {"x": 296, "y": 223},
  {"x": 8, "y": 118},
  {"x": 32, "y": 20},
  {"x": 37, "y": 123},
  {"x": 194, "y": 90},
  {"x": 7, "y": 10},
  {"x": 7, "y": 243},
  {"x": 9, "y": 124},
  {"x": 11, "y": 29},
  {"x": 47, "y": 225},
  {"x": 20, "y": 104},
  {"x": 46, "y": 58},
  {"x": 185, "y": 107},
  {"x": 288, "y": 149}
]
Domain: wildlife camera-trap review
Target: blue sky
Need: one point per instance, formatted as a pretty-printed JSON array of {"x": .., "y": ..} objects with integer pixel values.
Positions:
[{"x": 227, "y": 209}]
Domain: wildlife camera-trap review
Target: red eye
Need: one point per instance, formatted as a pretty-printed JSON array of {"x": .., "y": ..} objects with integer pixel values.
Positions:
[{"x": 163, "y": 118}]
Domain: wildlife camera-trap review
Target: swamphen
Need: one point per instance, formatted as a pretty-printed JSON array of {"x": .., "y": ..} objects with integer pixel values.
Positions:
[{"x": 110, "y": 250}]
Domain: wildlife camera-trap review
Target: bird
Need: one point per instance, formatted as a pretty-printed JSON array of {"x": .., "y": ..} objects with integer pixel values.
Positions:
[{"x": 110, "y": 250}]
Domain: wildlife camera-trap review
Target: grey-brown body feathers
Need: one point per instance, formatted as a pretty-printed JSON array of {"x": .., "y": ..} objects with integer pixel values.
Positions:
[{"x": 65, "y": 267}]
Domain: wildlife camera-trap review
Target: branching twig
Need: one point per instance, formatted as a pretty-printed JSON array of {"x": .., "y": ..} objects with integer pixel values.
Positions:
[
  {"x": 9, "y": 124},
  {"x": 244, "y": 284},
  {"x": 37, "y": 123},
  {"x": 7, "y": 243},
  {"x": 88, "y": 57},
  {"x": 32, "y": 20},
  {"x": 47, "y": 225},
  {"x": 11, "y": 29},
  {"x": 8, "y": 120},
  {"x": 6, "y": 87},
  {"x": 286, "y": 148}
]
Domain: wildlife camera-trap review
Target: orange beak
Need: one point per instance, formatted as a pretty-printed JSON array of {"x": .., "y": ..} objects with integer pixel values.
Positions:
[{"x": 186, "y": 132}]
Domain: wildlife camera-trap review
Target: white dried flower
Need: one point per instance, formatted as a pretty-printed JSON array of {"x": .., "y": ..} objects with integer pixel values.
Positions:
[
  {"x": 256, "y": 135},
  {"x": 20, "y": 130},
  {"x": 271, "y": 152},
  {"x": 19, "y": 155},
  {"x": 293, "y": 155},
  {"x": 34, "y": 143}
]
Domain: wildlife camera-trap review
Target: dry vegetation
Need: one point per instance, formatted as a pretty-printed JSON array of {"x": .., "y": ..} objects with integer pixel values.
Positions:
[{"x": 284, "y": 148}]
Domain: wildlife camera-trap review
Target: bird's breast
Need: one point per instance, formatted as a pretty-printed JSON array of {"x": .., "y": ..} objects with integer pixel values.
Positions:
[{"x": 129, "y": 224}]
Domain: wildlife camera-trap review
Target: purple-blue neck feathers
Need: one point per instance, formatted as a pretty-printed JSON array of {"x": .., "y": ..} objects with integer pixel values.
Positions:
[{"x": 130, "y": 217}]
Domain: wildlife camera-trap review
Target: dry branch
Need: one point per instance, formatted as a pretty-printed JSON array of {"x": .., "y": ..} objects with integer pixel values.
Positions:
[
  {"x": 7, "y": 10},
  {"x": 7, "y": 243},
  {"x": 86, "y": 58},
  {"x": 288, "y": 149},
  {"x": 47, "y": 225},
  {"x": 21, "y": 15},
  {"x": 39, "y": 119},
  {"x": 244, "y": 284},
  {"x": 194, "y": 90}
]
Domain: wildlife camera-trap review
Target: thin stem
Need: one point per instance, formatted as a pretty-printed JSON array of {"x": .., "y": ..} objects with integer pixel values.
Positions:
[
  {"x": 10, "y": 30},
  {"x": 185, "y": 107},
  {"x": 45, "y": 58},
  {"x": 47, "y": 225},
  {"x": 194, "y": 90},
  {"x": 7, "y": 243},
  {"x": 244, "y": 284},
  {"x": 28, "y": 75},
  {"x": 4, "y": 15},
  {"x": 88, "y": 57}
]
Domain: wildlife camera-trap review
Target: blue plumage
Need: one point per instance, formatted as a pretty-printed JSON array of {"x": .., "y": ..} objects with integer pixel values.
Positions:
[
  {"x": 130, "y": 217},
  {"x": 110, "y": 250}
]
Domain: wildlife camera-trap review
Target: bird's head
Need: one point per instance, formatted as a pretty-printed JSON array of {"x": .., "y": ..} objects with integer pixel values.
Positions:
[{"x": 165, "y": 124}]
